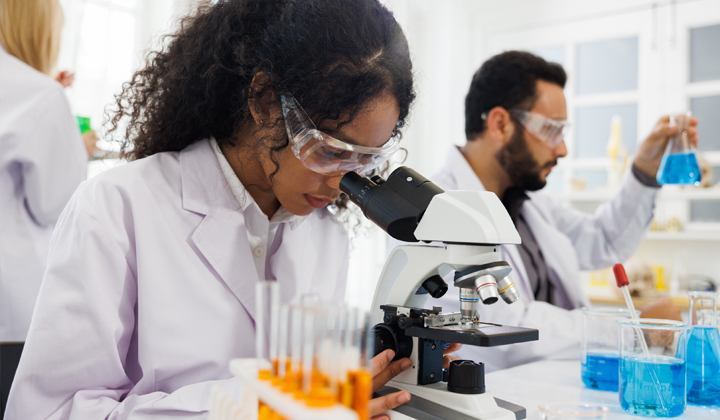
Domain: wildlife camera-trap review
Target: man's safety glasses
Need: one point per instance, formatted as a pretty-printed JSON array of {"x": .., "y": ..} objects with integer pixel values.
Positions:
[
  {"x": 547, "y": 129},
  {"x": 324, "y": 154}
]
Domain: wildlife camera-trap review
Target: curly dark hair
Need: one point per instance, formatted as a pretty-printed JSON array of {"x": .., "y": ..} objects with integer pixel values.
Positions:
[
  {"x": 334, "y": 56},
  {"x": 508, "y": 80}
]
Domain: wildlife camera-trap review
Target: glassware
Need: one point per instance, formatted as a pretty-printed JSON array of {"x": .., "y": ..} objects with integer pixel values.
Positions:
[
  {"x": 703, "y": 350},
  {"x": 567, "y": 411},
  {"x": 679, "y": 164},
  {"x": 84, "y": 124},
  {"x": 652, "y": 381},
  {"x": 600, "y": 347},
  {"x": 266, "y": 305}
]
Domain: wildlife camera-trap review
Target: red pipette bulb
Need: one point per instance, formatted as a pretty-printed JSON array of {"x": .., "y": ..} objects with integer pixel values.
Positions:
[{"x": 620, "y": 275}]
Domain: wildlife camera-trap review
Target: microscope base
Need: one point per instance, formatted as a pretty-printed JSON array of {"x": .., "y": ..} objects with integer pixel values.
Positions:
[{"x": 435, "y": 402}]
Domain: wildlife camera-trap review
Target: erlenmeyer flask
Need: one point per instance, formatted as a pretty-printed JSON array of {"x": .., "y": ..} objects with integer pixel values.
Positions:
[
  {"x": 679, "y": 164},
  {"x": 703, "y": 350}
]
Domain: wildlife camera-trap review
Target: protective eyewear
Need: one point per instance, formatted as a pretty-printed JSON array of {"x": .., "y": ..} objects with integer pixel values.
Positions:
[
  {"x": 547, "y": 129},
  {"x": 324, "y": 154}
]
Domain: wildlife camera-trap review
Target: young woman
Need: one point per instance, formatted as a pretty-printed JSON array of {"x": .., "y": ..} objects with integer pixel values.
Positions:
[
  {"x": 149, "y": 291},
  {"x": 42, "y": 161}
]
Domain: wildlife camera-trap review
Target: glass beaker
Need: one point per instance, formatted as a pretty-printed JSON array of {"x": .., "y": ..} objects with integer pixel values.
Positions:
[
  {"x": 83, "y": 124},
  {"x": 568, "y": 411},
  {"x": 652, "y": 371},
  {"x": 679, "y": 164},
  {"x": 601, "y": 347},
  {"x": 703, "y": 350}
]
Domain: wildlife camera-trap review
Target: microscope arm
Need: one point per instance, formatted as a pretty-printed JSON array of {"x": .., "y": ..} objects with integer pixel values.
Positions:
[{"x": 410, "y": 265}]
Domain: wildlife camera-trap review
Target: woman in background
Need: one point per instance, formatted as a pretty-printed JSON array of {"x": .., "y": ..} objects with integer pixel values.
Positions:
[
  {"x": 42, "y": 161},
  {"x": 149, "y": 291}
]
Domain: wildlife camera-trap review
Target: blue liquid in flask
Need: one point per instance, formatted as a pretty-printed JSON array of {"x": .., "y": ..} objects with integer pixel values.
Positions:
[
  {"x": 679, "y": 169},
  {"x": 640, "y": 380},
  {"x": 703, "y": 366},
  {"x": 600, "y": 371}
]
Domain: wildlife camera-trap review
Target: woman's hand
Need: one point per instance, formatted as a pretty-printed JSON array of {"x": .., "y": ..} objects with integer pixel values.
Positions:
[
  {"x": 90, "y": 139},
  {"x": 65, "y": 78},
  {"x": 446, "y": 357},
  {"x": 383, "y": 370}
]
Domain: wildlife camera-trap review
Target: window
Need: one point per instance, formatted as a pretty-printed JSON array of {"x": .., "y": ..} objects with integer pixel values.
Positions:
[
  {"x": 105, "y": 41},
  {"x": 99, "y": 44},
  {"x": 607, "y": 66}
]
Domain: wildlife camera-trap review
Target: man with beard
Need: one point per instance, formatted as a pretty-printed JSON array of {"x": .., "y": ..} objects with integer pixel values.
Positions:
[{"x": 515, "y": 114}]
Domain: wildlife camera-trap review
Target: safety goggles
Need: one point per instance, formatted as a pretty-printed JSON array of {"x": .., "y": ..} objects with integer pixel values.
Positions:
[
  {"x": 547, "y": 129},
  {"x": 324, "y": 154}
]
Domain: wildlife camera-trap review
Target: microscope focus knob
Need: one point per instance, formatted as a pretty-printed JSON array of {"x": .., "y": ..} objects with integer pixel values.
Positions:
[
  {"x": 392, "y": 337},
  {"x": 436, "y": 286},
  {"x": 466, "y": 377}
]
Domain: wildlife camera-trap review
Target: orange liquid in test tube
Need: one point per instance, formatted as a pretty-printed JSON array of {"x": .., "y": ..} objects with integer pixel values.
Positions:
[
  {"x": 265, "y": 374},
  {"x": 361, "y": 383},
  {"x": 345, "y": 394},
  {"x": 320, "y": 394},
  {"x": 264, "y": 412}
]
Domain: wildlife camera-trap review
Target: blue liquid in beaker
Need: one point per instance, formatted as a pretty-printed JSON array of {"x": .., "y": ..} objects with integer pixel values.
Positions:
[
  {"x": 679, "y": 169},
  {"x": 600, "y": 371},
  {"x": 703, "y": 366},
  {"x": 642, "y": 379}
]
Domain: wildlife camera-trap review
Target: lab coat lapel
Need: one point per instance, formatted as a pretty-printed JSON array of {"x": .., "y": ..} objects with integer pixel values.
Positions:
[
  {"x": 511, "y": 254},
  {"x": 221, "y": 237},
  {"x": 557, "y": 249}
]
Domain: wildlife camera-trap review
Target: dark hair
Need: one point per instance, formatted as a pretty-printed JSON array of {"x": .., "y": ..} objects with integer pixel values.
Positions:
[
  {"x": 333, "y": 56},
  {"x": 508, "y": 80}
]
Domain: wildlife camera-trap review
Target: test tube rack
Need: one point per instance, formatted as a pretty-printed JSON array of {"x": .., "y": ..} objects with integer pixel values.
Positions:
[{"x": 255, "y": 390}]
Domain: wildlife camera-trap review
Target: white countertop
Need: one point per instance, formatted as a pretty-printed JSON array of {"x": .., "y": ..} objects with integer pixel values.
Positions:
[{"x": 559, "y": 381}]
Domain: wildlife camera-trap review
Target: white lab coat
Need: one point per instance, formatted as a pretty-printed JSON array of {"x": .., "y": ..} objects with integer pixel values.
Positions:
[
  {"x": 42, "y": 161},
  {"x": 570, "y": 241},
  {"x": 150, "y": 291}
]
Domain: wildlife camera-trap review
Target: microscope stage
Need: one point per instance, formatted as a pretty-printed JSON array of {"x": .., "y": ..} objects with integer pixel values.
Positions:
[{"x": 483, "y": 335}]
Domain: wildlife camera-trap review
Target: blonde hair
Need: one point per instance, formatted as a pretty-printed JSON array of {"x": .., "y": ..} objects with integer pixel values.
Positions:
[{"x": 30, "y": 30}]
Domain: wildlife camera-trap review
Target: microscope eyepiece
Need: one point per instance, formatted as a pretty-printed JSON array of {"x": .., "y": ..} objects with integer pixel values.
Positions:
[{"x": 396, "y": 204}]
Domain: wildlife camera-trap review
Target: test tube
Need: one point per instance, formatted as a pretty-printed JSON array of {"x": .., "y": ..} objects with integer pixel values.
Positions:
[
  {"x": 296, "y": 339},
  {"x": 325, "y": 385},
  {"x": 349, "y": 358},
  {"x": 283, "y": 338},
  {"x": 265, "y": 295},
  {"x": 274, "y": 321},
  {"x": 308, "y": 349},
  {"x": 361, "y": 378}
]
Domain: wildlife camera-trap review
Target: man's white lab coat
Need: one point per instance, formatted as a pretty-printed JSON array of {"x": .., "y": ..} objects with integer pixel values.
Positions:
[
  {"x": 150, "y": 292},
  {"x": 42, "y": 161},
  {"x": 570, "y": 241}
]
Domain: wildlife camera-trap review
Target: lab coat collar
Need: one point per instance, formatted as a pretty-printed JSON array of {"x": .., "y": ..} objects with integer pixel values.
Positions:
[
  {"x": 465, "y": 177},
  {"x": 221, "y": 237},
  {"x": 243, "y": 197}
]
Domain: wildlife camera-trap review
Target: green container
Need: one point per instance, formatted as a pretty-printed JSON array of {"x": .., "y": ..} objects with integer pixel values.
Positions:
[{"x": 84, "y": 124}]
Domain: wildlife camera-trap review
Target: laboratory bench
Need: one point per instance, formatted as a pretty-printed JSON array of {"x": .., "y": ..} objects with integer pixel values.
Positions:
[
  {"x": 551, "y": 381},
  {"x": 679, "y": 301}
]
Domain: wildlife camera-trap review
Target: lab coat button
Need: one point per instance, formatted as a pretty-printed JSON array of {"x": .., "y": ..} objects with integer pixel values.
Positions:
[{"x": 259, "y": 251}]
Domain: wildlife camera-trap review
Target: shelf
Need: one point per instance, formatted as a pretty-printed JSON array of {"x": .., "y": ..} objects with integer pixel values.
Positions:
[
  {"x": 667, "y": 193},
  {"x": 683, "y": 236},
  {"x": 679, "y": 301}
]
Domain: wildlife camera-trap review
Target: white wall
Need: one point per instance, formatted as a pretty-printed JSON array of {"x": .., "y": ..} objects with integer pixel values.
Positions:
[{"x": 449, "y": 40}]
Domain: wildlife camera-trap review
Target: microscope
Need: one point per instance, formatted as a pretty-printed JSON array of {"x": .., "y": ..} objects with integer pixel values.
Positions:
[{"x": 462, "y": 231}]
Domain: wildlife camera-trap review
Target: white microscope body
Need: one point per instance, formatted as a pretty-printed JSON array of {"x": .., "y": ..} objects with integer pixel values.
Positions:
[{"x": 468, "y": 227}]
